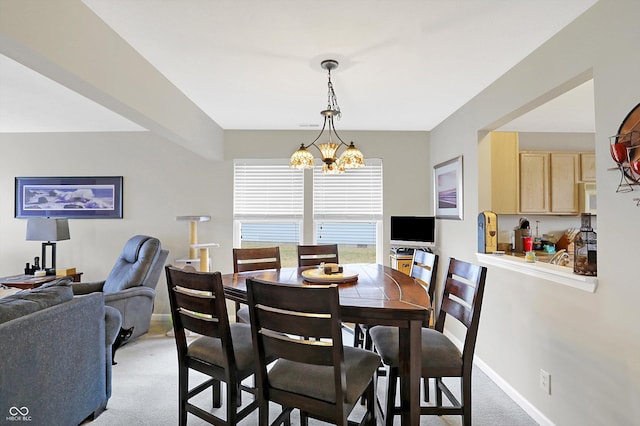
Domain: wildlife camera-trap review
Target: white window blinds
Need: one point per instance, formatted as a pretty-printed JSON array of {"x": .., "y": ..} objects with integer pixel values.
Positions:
[
  {"x": 353, "y": 195},
  {"x": 267, "y": 190}
]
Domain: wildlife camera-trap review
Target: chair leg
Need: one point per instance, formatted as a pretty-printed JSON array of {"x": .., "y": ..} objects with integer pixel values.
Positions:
[
  {"x": 216, "y": 394},
  {"x": 465, "y": 383},
  {"x": 233, "y": 390},
  {"x": 304, "y": 419},
  {"x": 368, "y": 343},
  {"x": 263, "y": 412},
  {"x": 392, "y": 383},
  {"x": 357, "y": 336},
  {"x": 371, "y": 403},
  {"x": 425, "y": 385},
  {"x": 183, "y": 390},
  {"x": 438, "y": 391}
]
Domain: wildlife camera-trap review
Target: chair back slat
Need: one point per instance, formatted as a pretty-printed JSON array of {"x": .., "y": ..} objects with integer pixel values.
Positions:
[
  {"x": 311, "y": 255},
  {"x": 424, "y": 268},
  {"x": 460, "y": 290},
  {"x": 462, "y": 299},
  {"x": 317, "y": 352},
  {"x": 457, "y": 310},
  {"x": 294, "y": 322},
  {"x": 198, "y": 305},
  {"x": 255, "y": 259}
]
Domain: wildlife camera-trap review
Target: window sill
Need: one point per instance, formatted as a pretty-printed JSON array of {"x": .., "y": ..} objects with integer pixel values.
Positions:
[{"x": 558, "y": 274}]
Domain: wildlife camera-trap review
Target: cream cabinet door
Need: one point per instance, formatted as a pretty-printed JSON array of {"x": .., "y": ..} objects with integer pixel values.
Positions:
[
  {"x": 534, "y": 182},
  {"x": 563, "y": 182},
  {"x": 587, "y": 166}
]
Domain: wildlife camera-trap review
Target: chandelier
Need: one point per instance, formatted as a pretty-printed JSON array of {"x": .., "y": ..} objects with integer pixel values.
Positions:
[{"x": 350, "y": 158}]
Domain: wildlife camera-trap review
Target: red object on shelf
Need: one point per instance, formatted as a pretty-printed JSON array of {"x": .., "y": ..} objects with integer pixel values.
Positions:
[
  {"x": 527, "y": 243},
  {"x": 619, "y": 152}
]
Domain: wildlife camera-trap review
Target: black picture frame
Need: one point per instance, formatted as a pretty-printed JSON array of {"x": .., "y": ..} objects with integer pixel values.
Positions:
[{"x": 77, "y": 197}]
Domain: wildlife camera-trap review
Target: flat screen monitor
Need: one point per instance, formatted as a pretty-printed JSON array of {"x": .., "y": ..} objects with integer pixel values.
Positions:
[{"x": 413, "y": 231}]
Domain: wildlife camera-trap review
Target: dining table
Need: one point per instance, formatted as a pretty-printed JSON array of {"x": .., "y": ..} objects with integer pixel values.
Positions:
[{"x": 370, "y": 294}]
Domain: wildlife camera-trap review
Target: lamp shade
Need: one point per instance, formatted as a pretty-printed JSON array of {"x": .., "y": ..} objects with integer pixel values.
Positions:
[{"x": 47, "y": 229}]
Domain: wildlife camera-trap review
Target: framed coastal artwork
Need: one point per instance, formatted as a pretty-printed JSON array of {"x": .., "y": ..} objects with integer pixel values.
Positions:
[
  {"x": 447, "y": 181},
  {"x": 90, "y": 197}
]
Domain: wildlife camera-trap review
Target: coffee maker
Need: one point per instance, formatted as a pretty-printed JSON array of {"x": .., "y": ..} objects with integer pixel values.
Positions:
[{"x": 523, "y": 230}]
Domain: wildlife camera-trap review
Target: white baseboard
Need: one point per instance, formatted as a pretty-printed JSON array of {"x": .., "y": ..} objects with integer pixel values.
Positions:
[
  {"x": 522, "y": 402},
  {"x": 161, "y": 317}
]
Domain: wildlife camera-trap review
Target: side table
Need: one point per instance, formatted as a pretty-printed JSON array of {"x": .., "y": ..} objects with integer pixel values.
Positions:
[{"x": 26, "y": 282}]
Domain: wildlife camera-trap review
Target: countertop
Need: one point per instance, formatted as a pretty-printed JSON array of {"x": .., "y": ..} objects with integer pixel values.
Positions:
[{"x": 541, "y": 269}]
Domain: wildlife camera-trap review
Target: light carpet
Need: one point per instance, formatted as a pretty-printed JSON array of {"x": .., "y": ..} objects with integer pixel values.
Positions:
[{"x": 145, "y": 392}]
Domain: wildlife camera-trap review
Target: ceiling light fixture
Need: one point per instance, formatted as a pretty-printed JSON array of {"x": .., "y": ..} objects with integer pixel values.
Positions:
[{"x": 350, "y": 158}]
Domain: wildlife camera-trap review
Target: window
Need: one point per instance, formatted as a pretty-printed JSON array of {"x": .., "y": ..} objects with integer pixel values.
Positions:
[
  {"x": 347, "y": 210},
  {"x": 268, "y": 209},
  {"x": 268, "y": 206}
]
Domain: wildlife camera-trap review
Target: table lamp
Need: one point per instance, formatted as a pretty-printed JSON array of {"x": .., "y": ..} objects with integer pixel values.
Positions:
[{"x": 48, "y": 230}]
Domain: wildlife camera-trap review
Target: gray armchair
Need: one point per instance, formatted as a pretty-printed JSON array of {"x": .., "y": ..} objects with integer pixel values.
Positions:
[{"x": 130, "y": 287}]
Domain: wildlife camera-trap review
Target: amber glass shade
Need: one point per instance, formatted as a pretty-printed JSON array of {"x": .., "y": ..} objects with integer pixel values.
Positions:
[
  {"x": 352, "y": 158},
  {"x": 333, "y": 168},
  {"x": 301, "y": 159},
  {"x": 328, "y": 151}
]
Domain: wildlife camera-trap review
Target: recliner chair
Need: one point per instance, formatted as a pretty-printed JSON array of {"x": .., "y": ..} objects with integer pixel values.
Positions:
[{"x": 130, "y": 286}]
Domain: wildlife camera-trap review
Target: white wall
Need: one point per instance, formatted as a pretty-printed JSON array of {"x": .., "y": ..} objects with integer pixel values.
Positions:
[
  {"x": 163, "y": 180},
  {"x": 588, "y": 342}
]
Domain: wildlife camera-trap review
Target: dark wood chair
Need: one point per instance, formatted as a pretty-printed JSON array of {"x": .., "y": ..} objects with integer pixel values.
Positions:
[
  {"x": 424, "y": 267},
  {"x": 311, "y": 255},
  {"x": 461, "y": 299},
  {"x": 316, "y": 374},
  {"x": 253, "y": 259},
  {"x": 224, "y": 352}
]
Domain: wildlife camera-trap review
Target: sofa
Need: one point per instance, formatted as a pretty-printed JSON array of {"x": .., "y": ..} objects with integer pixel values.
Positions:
[{"x": 55, "y": 355}]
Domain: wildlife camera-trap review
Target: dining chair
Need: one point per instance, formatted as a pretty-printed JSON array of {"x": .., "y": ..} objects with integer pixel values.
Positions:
[
  {"x": 312, "y": 255},
  {"x": 253, "y": 259},
  {"x": 461, "y": 300},
  {"x": 424, "y": 267},
  {"x": 315, "y": 374},
  {"x": 224, "y": 352}
]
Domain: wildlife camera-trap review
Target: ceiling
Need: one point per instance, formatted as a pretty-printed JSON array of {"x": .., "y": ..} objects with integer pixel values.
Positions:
[{"x": 255, "y": 64}]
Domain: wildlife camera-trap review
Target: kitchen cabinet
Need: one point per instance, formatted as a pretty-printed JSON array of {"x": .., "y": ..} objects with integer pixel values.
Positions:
[
  {"x": 563, "y": 179},
  {"x": 587, "y": 167},
  {"x": 548, "y": 182},
  {"x": 498, "y": 173},
  {"x": 534, "y": 182}
]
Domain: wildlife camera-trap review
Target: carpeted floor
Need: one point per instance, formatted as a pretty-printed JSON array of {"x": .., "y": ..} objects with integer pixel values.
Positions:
[{"x": 145, "y": 383}]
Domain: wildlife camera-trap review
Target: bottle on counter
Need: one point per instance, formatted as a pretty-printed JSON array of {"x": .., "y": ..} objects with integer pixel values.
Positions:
[{"x": 585, "y": 248}]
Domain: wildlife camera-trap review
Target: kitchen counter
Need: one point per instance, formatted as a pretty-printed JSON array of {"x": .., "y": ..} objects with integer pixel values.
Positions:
[
  {"x": 541, "y": 269},
  {"x": 541, "y": 256}
]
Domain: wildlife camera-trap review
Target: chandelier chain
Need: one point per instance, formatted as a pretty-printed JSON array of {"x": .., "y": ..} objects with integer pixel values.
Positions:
[{"x": 332, "y": 100}]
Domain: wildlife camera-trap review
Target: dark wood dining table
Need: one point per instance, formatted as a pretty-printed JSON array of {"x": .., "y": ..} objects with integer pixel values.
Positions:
[{"x": 379, "y": 296}]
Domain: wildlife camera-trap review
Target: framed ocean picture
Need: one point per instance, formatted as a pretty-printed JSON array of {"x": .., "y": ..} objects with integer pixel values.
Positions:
[
  {"x": 98, "y": 197},
  {"x": 447, "y": 181}
]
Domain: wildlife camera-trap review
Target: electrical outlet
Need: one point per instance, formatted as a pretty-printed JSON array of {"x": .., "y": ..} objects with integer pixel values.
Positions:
[{"x": 545, "y": 381}]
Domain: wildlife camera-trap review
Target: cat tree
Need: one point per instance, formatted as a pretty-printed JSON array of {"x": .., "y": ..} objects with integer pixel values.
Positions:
[{"x": 198, "y": 252}]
